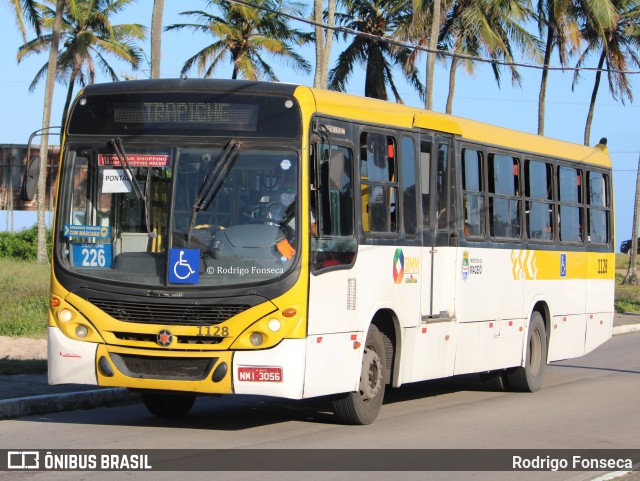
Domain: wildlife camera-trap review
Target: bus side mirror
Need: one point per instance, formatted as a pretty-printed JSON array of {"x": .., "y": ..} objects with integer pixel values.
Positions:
[{"x": 30, "y": 179}]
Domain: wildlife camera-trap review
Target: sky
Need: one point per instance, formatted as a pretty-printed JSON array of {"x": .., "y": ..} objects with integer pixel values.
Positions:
[{"x": 477, "y": 97}]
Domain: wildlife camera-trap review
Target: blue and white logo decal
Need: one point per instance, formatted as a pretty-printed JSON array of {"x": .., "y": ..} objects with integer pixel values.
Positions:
[
  {"x": 184, "y": 266},
  {"x": 563, "y": 265}
]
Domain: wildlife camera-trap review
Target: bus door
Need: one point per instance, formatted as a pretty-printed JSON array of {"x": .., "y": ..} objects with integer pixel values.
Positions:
[{"x": 438, "y": 276}]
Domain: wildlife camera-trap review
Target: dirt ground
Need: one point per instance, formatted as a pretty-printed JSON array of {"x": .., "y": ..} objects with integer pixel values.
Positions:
[{"x": 22, "y": 348}]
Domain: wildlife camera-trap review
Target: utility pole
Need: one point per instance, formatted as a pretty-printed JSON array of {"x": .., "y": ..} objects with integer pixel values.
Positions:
[{"x": 632, "y": 277}]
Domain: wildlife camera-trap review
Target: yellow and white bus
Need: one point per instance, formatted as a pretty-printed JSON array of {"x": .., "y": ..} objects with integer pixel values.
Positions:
[{"x": 228, "y": 237}]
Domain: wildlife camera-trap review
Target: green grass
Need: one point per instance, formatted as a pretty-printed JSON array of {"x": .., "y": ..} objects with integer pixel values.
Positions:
[
  {"x": 627, "y": 296},
  {"x": 24, "y": 286}
]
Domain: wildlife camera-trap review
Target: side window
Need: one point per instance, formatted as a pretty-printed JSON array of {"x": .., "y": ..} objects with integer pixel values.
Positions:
[
  {"x": 409, "y": 200},
  {"x": 442, "y": 187},
  {"x": 599, "y": 210},
  {"x": 504, "y": 196},
  {"x": 336, "y": 187},
  {"x": 379, "y": 184},
  {"x": 539, "y": 204},
  {"x": 473, "y": 193},
  {"x": 331, "y": 204},
  {"x": 425, "y": 186},
  {"x": 570, "y": 197}
]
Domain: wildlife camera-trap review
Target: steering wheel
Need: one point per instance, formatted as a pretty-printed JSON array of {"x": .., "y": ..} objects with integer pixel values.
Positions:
[{"x": 289, "y": 231}]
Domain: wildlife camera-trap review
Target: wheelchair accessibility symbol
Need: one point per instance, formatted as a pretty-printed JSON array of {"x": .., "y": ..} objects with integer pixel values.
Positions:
[
  {"x": 184, "y": 266},
  {"x": 563, "y": 265}
]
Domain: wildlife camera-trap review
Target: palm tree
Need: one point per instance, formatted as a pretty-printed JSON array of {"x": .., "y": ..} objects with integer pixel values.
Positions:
[
  {"x": 26, "y": 10},
  {"x": 424, "y": 30},
  {"x": 560, "y": 20},
  {"x": 434, "y": 34},
  {"x": 30, "y": 10},
  {"x": 87, "y": 36},
  {"x": 244, "y": 35},
  {"x": 617, "y": 46},
  {"x": 377, "y": 19},
  {"x": 42, "y": 256},
  {"x": 487, "y": 28},
  {"x": 156, "y": 37},
  {"x": 324, "y": 41}
]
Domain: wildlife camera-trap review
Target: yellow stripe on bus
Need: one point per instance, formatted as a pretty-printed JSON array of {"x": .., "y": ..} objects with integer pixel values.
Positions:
[{"x": 558, "y": 265}]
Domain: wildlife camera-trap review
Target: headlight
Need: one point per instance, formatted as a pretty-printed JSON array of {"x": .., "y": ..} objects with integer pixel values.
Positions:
[
  {"x": 274, "y": 325},
  {"x": 65, "y": 315}
]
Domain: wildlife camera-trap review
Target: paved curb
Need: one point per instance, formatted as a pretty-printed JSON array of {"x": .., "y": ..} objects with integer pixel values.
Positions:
[
  {"x": 626, "y": 329},
  {"x": 48, "y": 403}
]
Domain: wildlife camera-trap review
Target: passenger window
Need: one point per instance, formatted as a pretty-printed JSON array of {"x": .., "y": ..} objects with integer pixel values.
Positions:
[
  {"x": 379, "y": 185},
  {"x": 442, "y": 183},
  {"x": 570, "y": 197},
  {"x": 599, "y": 212},
  {"x": 409, "y": 200},
  {"x": 504, "y": 196},
  {"x": 539, "y": 204},
  {"x": 473, "y": 193},
  {"x": 425, "y": 188}
]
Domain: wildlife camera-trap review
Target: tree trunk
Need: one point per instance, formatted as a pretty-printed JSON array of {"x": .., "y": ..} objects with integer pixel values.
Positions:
[
  {"x": 324, "y": 42},
  {"x": 452, "y": 84},
  {"x": 46, "y": 120},
  {"x": 592, "y": 104},
  {"x": 156, "y": 37},
  {"x": 328, "y": 43},
  {"x": 631, "y": 277},
  {"x": 320, "y": 42},
  {"x": 431, "y": 55},
  {"x": 543, "y": 83},
  {"x": 374, "y": 86}
]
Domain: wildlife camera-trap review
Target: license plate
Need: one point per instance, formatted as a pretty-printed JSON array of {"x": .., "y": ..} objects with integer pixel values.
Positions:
[{"x": 260, "y": 374}]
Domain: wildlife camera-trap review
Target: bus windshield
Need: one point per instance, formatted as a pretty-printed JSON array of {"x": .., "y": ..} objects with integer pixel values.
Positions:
[{"x": 160, "y": 215}]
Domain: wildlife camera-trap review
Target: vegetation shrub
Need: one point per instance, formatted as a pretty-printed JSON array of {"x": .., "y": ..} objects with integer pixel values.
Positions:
[{"x": 22, "y": 245}]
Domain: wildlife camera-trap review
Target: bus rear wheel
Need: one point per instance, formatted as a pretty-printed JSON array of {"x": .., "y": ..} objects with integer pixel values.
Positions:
[
  {"x": 528, "y": 378},
  {"x": 363, "y": 406},
  {"x": 168, "y": 405}
]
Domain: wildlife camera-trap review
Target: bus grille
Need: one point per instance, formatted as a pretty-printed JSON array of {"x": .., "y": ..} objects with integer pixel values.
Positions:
[
  {"x": 142, "y": 337},
  {"x": 184, "y": 368},
  {"x": 172, "y": 314}
]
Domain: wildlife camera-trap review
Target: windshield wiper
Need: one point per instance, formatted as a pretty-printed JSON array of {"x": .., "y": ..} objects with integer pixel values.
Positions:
[
  {"x": 124, "y": 162},
  {"x": 143, "y": 196},
  {"x": 213, "y": 181}
]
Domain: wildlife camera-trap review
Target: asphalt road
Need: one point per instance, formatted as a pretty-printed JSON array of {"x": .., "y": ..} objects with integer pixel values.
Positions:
[{"x": 585, "y": 403}]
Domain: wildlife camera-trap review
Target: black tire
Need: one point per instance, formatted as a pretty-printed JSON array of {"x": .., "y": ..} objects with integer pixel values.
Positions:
[
  {"x": 168, "y": 405},
  {"x": 362, "y": 407},
  {"x": 528, "y": 378},
  {"x": 495, "y": 380}
]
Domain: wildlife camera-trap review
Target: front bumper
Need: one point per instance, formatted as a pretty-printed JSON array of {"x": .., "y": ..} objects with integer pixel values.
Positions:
[{"x": 199, "y": 372}]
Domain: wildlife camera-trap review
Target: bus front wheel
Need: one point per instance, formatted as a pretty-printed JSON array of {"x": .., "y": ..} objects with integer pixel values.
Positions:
[
  {"x": 528, "y": 378},
  {"x": 168, "y": 405},
  {"x": 363, "y": 406}
]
